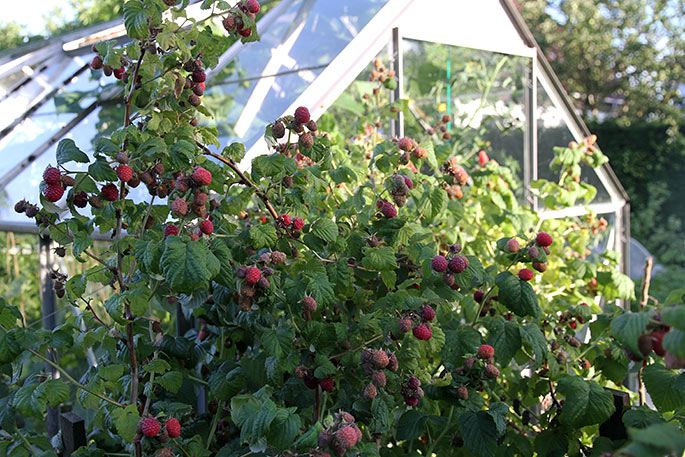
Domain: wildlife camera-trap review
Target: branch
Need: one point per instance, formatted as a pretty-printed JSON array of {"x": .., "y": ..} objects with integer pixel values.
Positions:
[
  {"x": 127, "y": 120},
  {"x": 356, "y": 348},
  {"x": 645, "y": 282},
  {"x": 245, "y": 180}
]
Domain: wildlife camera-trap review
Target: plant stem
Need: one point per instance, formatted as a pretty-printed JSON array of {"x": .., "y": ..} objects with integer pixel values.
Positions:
[
  {"x": 28, "y": 445},
  {"x": 72, "y": 380},
  {"x": 356, "y": 348},
  {"x": 214, "y": 423}
]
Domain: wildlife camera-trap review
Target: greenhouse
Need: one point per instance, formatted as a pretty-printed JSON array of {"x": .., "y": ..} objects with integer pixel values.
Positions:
[{"x": 410, "y": 177}]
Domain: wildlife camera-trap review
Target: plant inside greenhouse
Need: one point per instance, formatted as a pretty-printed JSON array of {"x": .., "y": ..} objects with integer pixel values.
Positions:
[{"x": 338, "y": 257}]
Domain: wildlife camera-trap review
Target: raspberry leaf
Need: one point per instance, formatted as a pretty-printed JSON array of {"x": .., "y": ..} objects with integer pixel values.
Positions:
[
  {"x": 325, "y": 229},
  {"x": 479, "y": 432},
  {"x": 674, "y": 342},
  {"x": 135, "y": 19},
  {"x": 411, "y": 425},
  {"x": 67, "y": 151},
  {"x": 517, "y": 295},
  {"x": 587, "y": 403},
  {"x": 188, "y": 266},
  {"x": 628, "y": 327},
  {"x": 505, "y": 338},
  {"x": 125, "y": 420},
  {"x": 665, "y": 387}
]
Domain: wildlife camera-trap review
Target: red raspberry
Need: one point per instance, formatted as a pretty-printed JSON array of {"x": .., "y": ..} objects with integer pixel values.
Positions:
[
  {"x": 81, "y": 200},
  {"x": 457, "y": 264},
  {"x": 53, "y": 192},
  {"x": 298, "y": 223},
  {"x": 252, "y": 6},
  {"x": 199, "y": 76},
  {"x": 478, "y": 296},
  {"x": 380, "y": 359},
  {"x": 483, "y": 157},
  {"x": 309, "y": 304},
  {"x": 540, "y": 266},
  {"x": 245, "y": 32},
  {"x": 428, "y": 313},
  {"x": 302, "y": 115},
  {"x": 657, "y": 343},
  {"x": 151, "y": 427},
  {"x": 513, "y": 245},
  {"x": 405, "y": 325},
  {"x": 284, "y": 219},
  {"x": 370, "y": 392},
  {"x": 525, "y": 274},
  {"x": 173, "y": 428},
  {"x": 411, "y": 401},
  {"x": 463, "y": 393},
  {"x": 573, "y": 324},
  {"x": 533, "y": 252},
  {"x": 124, "y": 173},
  {"x": 119, "y": 72},
  {"x": 327, "y": 384},
  {"x": 96, "y": 63},
  {"x": 202, "y": 177},
  {"x": 379, "y": 379},
  {"x": 486, "y": 351},
  {"x": 110, "y": 192},
  {"x": 439, "y": 263},
  {"x": 544, "y": 239},
  {"x": 206, "y": 227},
  {"x": 388, "y": 210},
  {"x": 252, "y": 275},
  {"x": 169, "y": 230},
  {"x": 347, "y": 436},
  {"x": 423, "y": 332},
  {"x": 52, "y": 176},
  {"x": 179, "y": 207},
  {"x": 406, "y": 144},
  {"x": 491, "y": 371},
  {"x": 347, "y": 417},
  {"x": 394, "y": 364},
  {"x": 409, "y": 182}
]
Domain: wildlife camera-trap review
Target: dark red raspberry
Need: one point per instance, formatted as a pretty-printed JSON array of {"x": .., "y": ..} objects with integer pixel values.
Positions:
[
  {"x": 413, "y": 382},
  {"x": 423, "y": 332},
  {"x": 202, "y": 177},
  {"x": 427, "y": 313},
  {"x": 169, "y": 230},
  {"x": 206, "y": 227},
  {"x": 526, "y": 275},
  {"x": 439, "y": 263},
  {"x": 96, "y": 63},
  {"x": 306, "y": 140},
  {"x": 119, "y": 72},
  {"x": 302, "y": 115},
  {"x": 284, "y": 219},
  {"x": 199, "y": 76},
  {"x": 150, "y": 427},
  {"x": 409, "y": 183},
  {"x": 370, "y": 392},
  {"x": 411, "y": 401},
  {"x": 540, "y": 266},
  {"x": 252, "y": 6},
  {"x": 486, "y": 351},
  {"x": 513, "y": 245},
  {"x": 573, "y": 324},
  {"x": 347, "y": 436},
  {"x": 80, "y": 200},
  {"x": 405, "y": 325},
  {"x": 179, "y": 207},
  {"x": 298, "y": 223},
  {"x": 278, "y": 129},
  {"x": 327, "y": 384},
  {"x": 393, "y": 363},
  {"x": 173, "y": 428},
  {"x": 533, "y": 252},
  {"x": 491, "y": 371},
  {"x": 478, "y": 296},
  {"x": 110, "y": 192},
  {"x": 20, "y": 206},
  {"x": 309, "y": 304},
  {"x": 380, "y": 359},
  {"x": 406, "y": 144},
  {"x": 246, "y": 32},
  {"x": 379, "y": 379},
  {"x": 457, "y": 264},
  {"x": 229, "y": 23},
  {"x": 53, "y": 192},
  {"x": 252, "y": 275},
  {"x": 544, "y": 239},
  {"x": 124, "y": 173},
  {"x": 52, "y": 176},
  {"x": 448, "y": 279},
  {"x": 657, "y": 343},
  {"x": 388, "y": 210},
  {"x": 278, "y": 257},
  {"x": 463, "y": 393}
]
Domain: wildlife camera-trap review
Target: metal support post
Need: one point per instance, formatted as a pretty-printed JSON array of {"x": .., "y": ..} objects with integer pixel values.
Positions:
[
  {"x": 530, "y": 139},
  {"x": 397, "y": 125},
  {"x": 49, "y": 305}
]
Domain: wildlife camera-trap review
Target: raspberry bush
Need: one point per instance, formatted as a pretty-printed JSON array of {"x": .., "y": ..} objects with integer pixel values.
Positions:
[{"x": 354, "y": 294}]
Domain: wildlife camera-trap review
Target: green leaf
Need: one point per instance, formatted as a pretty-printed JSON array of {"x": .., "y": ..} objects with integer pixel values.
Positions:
[
  {"x": 674, "y": 316},
  {"x": 157, "y": 366},
  {"x": 551, "y": 443},
  {"x": 438, "y": 200},
  {"x": 284, "y": 429},
  {"x": 67, "y": 151},
  {"x": 321, "y": 289},
  {"x": 381, "y": 258},
  {"x": 263, "y": 236},
  {"x": 30, "y": 401},
  {"x": 171, "y": 381},
  {"x": 411, "y": 425},
  {"x": 662, "y": 385},
  {"x": 10, "y": 346},
  {"x": 101, "y": 171},
  {"x": 587, "y": 403},
  {"x": 268, "y": 165},
  {"x": 325, "y": 229},
  {"x": 674, "y": 342},
  {"x": 505, "y": 338},
  {"x": 125, "y": 420},
  {"x": 278, "y": 341},
  {"x": 628, "y": 327},
  {"x": 641, "y": 417},
  {"x": 56, "y": 391},
  {"x": 309, "y": 439},
  {"x": 517, "y": 295},
  {"x": 223, "y": 254},
  {"x": 186, "y": 266},
  {"x": 135, "y": 19},
  {"x": 534, "y": 340},
  {"x": 479, "y": 432},
  {"x": 382, "y": 415},
  {"x": 666, "y": 438}
]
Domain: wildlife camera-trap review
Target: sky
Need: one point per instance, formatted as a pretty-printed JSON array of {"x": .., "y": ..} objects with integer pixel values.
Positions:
[{"x": 32, "y": 17}]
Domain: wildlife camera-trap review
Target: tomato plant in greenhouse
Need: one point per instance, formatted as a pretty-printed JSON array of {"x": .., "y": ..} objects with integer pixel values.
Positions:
[{"x": 353, "y": 294}]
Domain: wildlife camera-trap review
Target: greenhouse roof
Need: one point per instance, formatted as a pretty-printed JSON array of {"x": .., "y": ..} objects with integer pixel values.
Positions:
[{"x": 309, "y": 53}]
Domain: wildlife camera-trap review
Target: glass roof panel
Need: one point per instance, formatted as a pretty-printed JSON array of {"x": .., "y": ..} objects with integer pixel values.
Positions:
[{"x": 270, "y": 74}]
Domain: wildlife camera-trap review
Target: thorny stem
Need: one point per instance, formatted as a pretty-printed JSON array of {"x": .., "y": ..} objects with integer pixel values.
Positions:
[
  {"x": 134, "y": 77},
  {"x": 72, "y": 380},
  {"x": 429, "y": 452},
  {"x": 234, "y": 166},
  {"x": 317, "y": 402},
  {"x": 380, "y": 335},
  {"x": 27, "y": 444},
  {"x": 90, "y": 308},
  {"x": 214, "y": 423}
]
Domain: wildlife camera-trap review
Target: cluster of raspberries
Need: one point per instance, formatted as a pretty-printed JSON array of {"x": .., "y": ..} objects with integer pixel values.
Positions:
[
  {"x": 440, "y": 128},
  {"x": 98, "y": 64},
  {"x": 418, "y": 322},
  {"x": 386, "y": 208},
  {"x": 484, "y": 358},
  {"x": 456, "y": 178},
  {"x": 234, "y": 21},
  {"x": 374, "y": 362},
  {"x": 194, "y": 85},
  {"x": 410, "y": 148},
  {"x": 300, "y": 124},
  {"x": 151, "y": 428},
  {"x": 542, "y": 240},
  {"x": 383, "y": 77},
  {"x": 311, "y": 381},
  {"x": 453, "y": 264},
  {"x": 292, "y": 225},
  {"x": 412, "y": 391},
  {"x": 343, "y": 435},
  {"x": 400, "y": 187},
  {"x": 255, "y": 281},
  {"x": 479, "y": 295}
]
